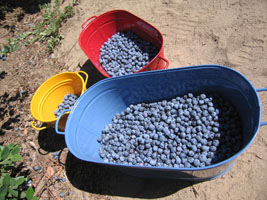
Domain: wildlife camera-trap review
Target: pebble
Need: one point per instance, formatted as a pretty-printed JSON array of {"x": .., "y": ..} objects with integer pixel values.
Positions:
[
  {"x": 61, "y": 194},
  {"x": 36, "y": 168}
]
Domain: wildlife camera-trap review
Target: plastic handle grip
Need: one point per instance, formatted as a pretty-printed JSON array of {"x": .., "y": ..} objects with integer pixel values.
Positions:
[
  {"x": 167, "y": 62},
  {"x": 58, "y": 119},
  {"x": 86, "y": 78},
  {"x": 262, "y": 90},
  {"x": 87, "y": 22},
  {"x": 37, "y": 128}
]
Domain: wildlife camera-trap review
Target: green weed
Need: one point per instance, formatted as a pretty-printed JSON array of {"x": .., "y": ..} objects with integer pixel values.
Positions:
[
  {"x": 47, "y": 31},
  {"x": 11, "y": 187},
  {"x": 10, "y": 47}
]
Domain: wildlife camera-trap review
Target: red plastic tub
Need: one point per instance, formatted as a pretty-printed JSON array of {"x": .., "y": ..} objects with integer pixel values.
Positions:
[{"x": 97, "y": 30}]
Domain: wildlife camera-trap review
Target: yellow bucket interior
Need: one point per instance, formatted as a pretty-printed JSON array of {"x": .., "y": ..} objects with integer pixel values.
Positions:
[{"x": 51, "y": 93}]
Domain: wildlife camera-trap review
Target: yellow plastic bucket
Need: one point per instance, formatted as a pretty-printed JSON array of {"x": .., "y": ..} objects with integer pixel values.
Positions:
[{"x": 51, "y": 93}]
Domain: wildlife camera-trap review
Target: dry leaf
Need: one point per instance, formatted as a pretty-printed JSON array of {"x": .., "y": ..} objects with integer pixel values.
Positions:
[
  {"x": 50, "y": 172},
  {"x": 25, "y": 131},
  {"x": 33, "y": 146}
]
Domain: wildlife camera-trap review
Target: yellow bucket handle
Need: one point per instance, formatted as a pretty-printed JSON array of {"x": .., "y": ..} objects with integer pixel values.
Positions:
[
  {"x": 37, "y": 128},
  {"x": 86, "y": 78}
]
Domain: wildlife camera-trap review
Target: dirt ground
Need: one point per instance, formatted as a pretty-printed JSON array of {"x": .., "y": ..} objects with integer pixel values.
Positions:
[{"x": 226, "y": 32}]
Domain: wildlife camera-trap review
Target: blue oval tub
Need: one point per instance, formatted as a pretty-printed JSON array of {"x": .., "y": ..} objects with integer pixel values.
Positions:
[{"x": 96, "y": 107}]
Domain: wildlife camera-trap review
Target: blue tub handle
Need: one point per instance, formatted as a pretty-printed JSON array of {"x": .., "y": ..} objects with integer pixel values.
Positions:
[
  {"x": 58, "y": 119},
  {"x": 262, "y": 90}
]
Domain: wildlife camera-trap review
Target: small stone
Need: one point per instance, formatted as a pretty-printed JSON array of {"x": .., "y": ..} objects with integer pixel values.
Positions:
[
  {"x": 36, "y": 168},
  {"x": 61, "y": 194}
]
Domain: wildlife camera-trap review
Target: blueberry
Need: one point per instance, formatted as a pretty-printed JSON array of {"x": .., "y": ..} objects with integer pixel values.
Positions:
[
  {"x": 208, "y": 161},
  {"x": 115, "y": 156},
  {"x": 194, "y": 148},
  {"x": 187, "y": 165},
  {"x": 36, "y": 168},
  {"x": 155, "y": 148},
  {"x": 182, "y": 155},
  {"x": 191, "y": 153},
  {"x": 202, "y": 164},
  {"x": 210, "y": 154},
  {"x": 186, "y": 113},
  {"x": 179, "y": 149},
  {"x": 29, "y": 183},
  {"x": 215, "y": 129},
  {"x": 216, "y": 143},
  {"x": 182, "y": 134},
  {"x": 153, "y": 162},
  {"x": 205, "y": 148},
  {"x": 190, "y": 159},
  {"x": 178, "y": 160},
  {"x": 61, "y": 194},
  {"x": 201, "y": 102},
  {"x": 196, "y": 162},
  {"x": 202, "y": 158},
  {"x": 204, "y": 141},
  {"x": 213, "y": 148},
  {"x": 155, "y": 136},
  {"x": 160, "y": 151},
  {"x": 202, "y": 96}
]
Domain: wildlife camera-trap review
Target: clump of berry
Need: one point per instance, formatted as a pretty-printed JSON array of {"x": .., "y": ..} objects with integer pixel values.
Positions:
[
  {"x": 185, "y": 132},
  {"x": 125, "y": 53}
]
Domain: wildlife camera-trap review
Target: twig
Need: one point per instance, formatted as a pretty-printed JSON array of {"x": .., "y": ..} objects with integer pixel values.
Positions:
[
  {"x": 195, "y": 191},
  {"x": 51, "y": 193},
  {"x": 45, "y": 187},
  {"x": 39, "y": 181},
  {"x": 41, "y": 192}
]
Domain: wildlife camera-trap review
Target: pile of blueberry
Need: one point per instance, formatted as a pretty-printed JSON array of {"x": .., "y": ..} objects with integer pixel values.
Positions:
[
  {"x": 125, "y": 53},
  {"x": 67, "y": 103},
  {"x": 187, "y": 131}
]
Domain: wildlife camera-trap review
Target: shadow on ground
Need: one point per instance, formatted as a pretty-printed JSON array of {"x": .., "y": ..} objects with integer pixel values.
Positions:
[
  {"x": 50, "y": 141},
  {"x": 93, "y": 74},
  {"x": 28, "y": 6},
  {"x": 8, "y": 111},
  {"x": 104, "y": 180}
]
